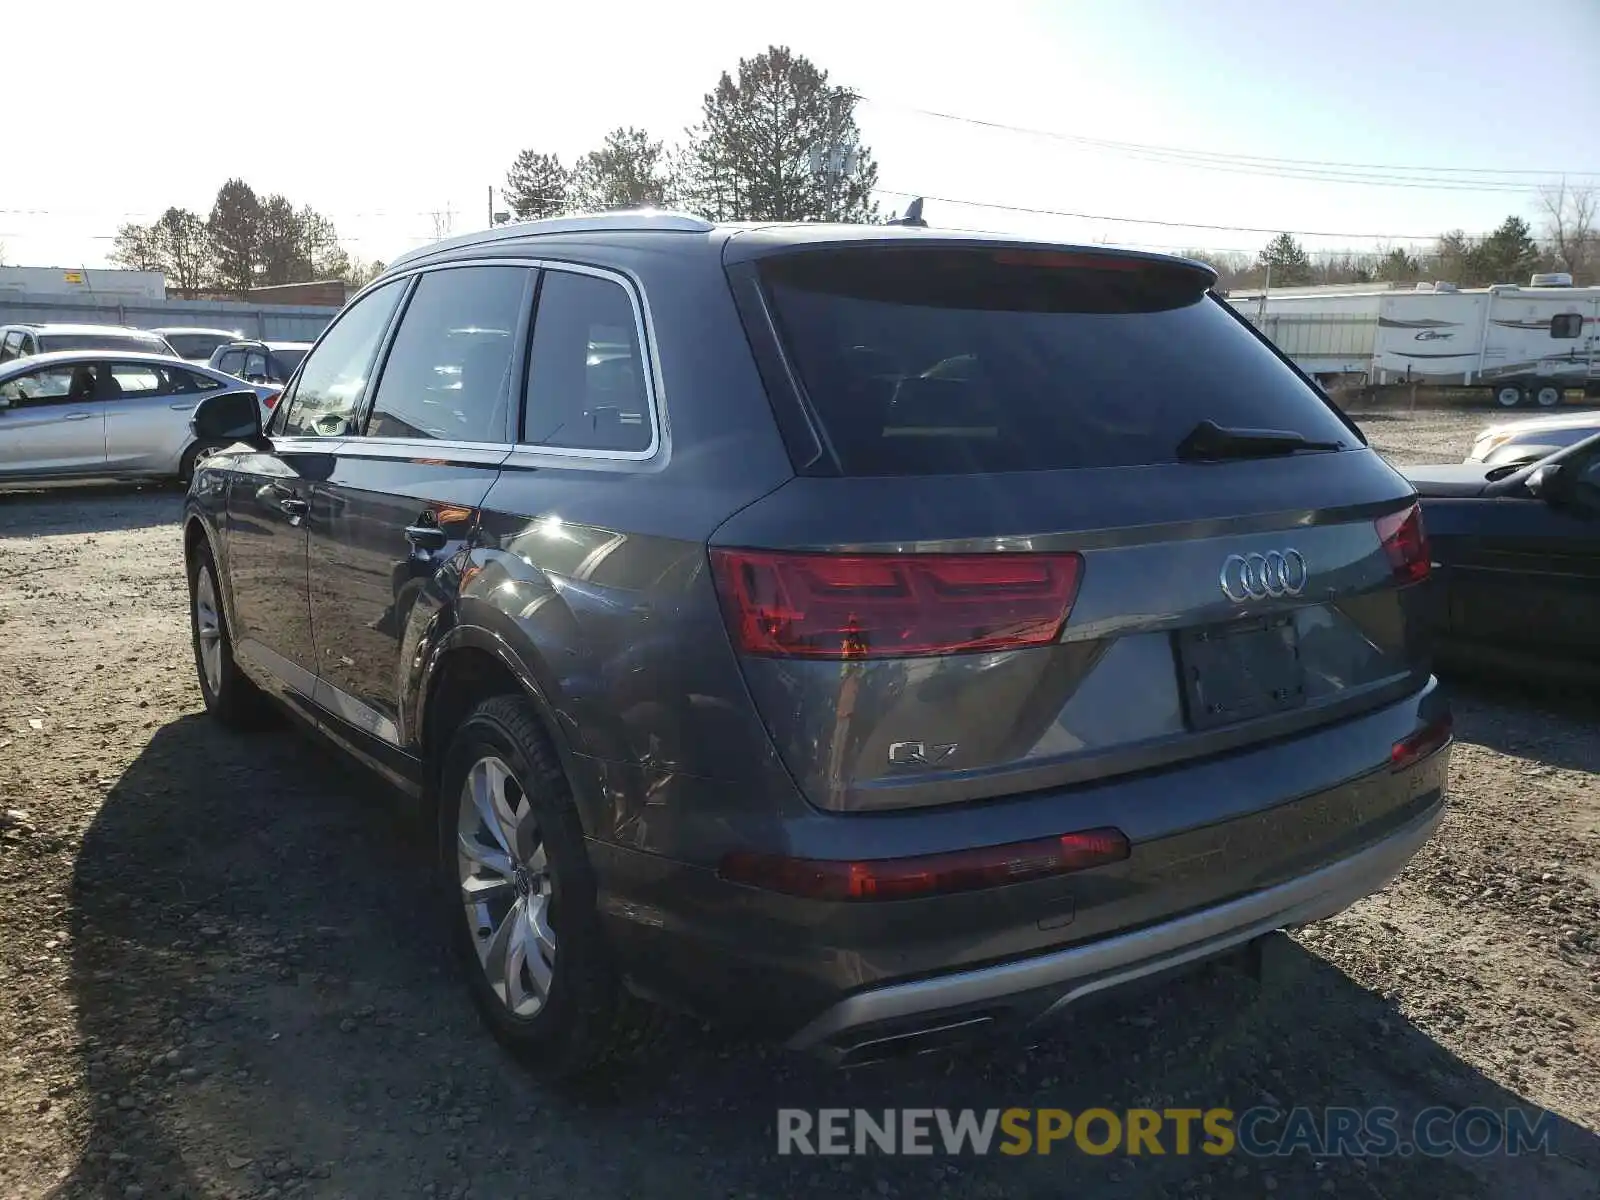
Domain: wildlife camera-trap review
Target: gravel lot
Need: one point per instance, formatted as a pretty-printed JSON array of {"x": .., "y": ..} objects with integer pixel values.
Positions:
[{"x": 217, "y": 977}]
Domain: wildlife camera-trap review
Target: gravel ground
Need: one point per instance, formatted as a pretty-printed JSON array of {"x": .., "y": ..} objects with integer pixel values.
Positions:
[{"x": 217, "y": 977}]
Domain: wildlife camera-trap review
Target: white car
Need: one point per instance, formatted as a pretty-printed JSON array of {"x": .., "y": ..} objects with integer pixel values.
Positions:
[{"x": 102, "y": 413}]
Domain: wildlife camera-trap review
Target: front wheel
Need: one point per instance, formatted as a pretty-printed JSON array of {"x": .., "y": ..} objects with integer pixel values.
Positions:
[
  {"x": 520, "y": 895},
  {"x": 1548, "y": 395},
  {"x": 229, "y": 696},
  {"x": 1508, "y": 395},
  {"x": 192, "y": 456}
]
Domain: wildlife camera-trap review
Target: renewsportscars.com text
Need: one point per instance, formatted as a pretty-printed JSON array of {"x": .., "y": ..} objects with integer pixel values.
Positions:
[{"x": 1257, "y": 1132}]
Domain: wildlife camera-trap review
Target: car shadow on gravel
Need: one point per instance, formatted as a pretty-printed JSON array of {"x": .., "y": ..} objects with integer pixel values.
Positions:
[
  {"x": 43, "y": 511},
  {"x": 264, "y": 1011},
  {"x": 1550, "y": 723}
]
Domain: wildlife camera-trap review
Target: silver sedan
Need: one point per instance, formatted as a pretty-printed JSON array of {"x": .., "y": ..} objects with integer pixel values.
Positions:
[{"x": 104, "y": 414}]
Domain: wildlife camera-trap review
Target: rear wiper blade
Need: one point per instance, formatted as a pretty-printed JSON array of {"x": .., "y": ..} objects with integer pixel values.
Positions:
[{"x": 1209, "y": 441}]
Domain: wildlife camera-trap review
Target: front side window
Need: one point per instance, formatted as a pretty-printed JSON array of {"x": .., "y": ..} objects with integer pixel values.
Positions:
[
  {"x": 11, "y": 346},
  {"x": 333, "y": 381},
  {"x": 448, "y": 375},
  {"x": 586, "y": 379},
  {"x": 52, "y": 385},
  {"x": 232, "y": 362}
]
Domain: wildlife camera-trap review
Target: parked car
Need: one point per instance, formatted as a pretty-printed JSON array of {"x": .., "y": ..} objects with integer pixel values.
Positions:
[
  {"x": 782, "y": 624},
  {"x": 1516, "y": 548},
  {"x": 103, "y": 414},
  {"x": 259, "y": 362},
  {"x": 1532, "y": 438},
  {"x": 24, "y": 341},
  {"x": 197, "y": 344}
]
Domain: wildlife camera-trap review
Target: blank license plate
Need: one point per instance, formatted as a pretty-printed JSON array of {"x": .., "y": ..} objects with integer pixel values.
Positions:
[{"x": 1240, "y": 671}]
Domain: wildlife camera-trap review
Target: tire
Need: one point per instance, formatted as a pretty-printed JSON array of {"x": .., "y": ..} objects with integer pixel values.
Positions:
[
  {"x": 537, "y": 922},
  {"x": 191, "y": 456},
  {"x": 1547, "y": 395},
  {"x": 229, "y": 696},
  {"x": 1508, "y": 395}
]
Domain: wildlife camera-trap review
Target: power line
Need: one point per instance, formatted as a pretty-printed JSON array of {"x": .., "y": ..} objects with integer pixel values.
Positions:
[
  {"x": 1057, "y": 212},
  {"x": 1316, "y": 170}
]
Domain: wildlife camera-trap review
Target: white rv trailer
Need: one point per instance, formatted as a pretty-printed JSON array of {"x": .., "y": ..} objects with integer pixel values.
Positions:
[{"x": 1527, "y": 344}]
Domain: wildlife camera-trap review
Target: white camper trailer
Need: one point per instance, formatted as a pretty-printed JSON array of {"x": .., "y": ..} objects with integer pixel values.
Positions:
[{"x": 1527, "y": 344}]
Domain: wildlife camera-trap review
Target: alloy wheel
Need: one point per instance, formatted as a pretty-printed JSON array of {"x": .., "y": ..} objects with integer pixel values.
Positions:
[
  {"x": 208, "y": 630},
  {"x": 506, "y": 886}
]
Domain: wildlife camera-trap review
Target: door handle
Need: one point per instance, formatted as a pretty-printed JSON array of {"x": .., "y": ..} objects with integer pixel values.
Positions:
[
  {"x": 183, "y": 407},
  {"x": 294, "y": 506},
  {"x": 426, "y": 537},
  {"x": 76, "y": 417}
]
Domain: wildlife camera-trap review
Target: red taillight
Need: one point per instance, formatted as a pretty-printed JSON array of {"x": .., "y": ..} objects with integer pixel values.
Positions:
[
  {"x": 1406, "y": 544},
  {"x": 930, "y": 875},
  {"x": 886, "y": 605},
  {"x": 1425, "y": 741},
  {"x": 271, "y": 399}
]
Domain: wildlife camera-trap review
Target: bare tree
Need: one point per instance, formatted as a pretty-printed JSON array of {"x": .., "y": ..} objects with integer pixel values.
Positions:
[{"x": 1569, "y": 223}]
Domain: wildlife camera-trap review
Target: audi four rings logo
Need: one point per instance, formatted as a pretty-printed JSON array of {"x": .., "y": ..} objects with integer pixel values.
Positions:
[{"x": 1274, "y": 574}]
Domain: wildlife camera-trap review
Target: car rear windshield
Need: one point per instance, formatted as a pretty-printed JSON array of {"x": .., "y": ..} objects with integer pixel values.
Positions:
[
  {"x": 98, "y": 341},
  {"x": 194, "y": 345},
  {"x": 921, "y": 361}
]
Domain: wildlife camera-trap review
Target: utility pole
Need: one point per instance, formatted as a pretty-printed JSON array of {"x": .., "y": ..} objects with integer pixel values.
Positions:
[{"x": 491, "y": 206}]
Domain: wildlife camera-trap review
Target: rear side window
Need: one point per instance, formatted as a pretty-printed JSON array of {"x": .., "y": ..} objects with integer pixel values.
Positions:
[
  {"x": 448, "y": 374},
  {"x": 134, "y": 381},
  {"x": 970, "y": 361},
  {"x": 586, "y": 387}
]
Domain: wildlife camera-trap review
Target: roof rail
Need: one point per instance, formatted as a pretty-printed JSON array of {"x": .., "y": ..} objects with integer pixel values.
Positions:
[{"x": 639, "y": 220}]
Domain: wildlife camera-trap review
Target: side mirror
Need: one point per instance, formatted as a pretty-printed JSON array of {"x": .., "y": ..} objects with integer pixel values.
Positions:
[
  {"x": 230, "y": 417},
  {"x": 1544, "y": 481}
]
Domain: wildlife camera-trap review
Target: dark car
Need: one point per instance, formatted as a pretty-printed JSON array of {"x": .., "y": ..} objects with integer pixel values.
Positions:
[
  {"x": 871, "y": 635},
  {"x": 1516, "y": 548},
  {"x": 259, "y": 362}
]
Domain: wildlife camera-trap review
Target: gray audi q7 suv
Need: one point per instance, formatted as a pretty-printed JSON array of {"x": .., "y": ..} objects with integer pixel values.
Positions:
[{"x": 868, "y": 634}]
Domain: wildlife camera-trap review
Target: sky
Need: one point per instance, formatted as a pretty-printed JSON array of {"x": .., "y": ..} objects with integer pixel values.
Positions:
[{"x": 381, "y": 116}]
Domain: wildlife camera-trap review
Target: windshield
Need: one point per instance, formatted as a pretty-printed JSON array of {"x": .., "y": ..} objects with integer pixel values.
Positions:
[
  {"x": 195, "y": 345},
  {"x": 970, "y": 361}
]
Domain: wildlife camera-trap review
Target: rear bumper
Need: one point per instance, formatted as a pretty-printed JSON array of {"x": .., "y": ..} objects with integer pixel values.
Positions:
[
  {"x": 1036, "y": 988},
  {"x": 1223, "y": 850}
]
